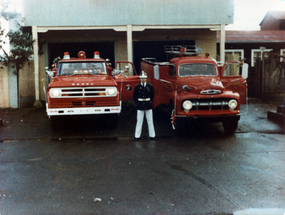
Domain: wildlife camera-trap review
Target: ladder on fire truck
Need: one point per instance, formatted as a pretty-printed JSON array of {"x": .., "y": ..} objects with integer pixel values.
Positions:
[{"x": 182, "y": 50}]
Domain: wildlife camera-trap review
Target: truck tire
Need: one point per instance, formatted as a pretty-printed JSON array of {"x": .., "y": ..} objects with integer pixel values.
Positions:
[{"x": 230, "y": 125}]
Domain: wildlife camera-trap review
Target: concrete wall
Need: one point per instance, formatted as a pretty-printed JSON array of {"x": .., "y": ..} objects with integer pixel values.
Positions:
[
  {"x": 17, "y": 91},
  {"x": 27, "y": 85},
  {"x": 4, "y": 87}
]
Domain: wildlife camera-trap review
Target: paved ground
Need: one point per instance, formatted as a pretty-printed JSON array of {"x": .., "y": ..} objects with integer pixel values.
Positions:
[
  {"x": 203, "y": 171},
  {"x": 32, "y": 123}
]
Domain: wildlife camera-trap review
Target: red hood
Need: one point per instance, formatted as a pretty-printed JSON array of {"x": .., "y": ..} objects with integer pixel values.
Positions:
[
  {"x": 82, "y": 80},
  {"x": 199, "y": 83}
]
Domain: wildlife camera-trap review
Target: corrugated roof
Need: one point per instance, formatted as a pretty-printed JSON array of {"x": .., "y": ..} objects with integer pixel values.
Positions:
[{"x": 268, "y": 36}]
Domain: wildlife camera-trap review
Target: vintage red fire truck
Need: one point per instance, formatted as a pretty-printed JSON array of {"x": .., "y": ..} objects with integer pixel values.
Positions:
[
  {"x": 87, "y": 86},
  {"x": 198, "y": 88}
]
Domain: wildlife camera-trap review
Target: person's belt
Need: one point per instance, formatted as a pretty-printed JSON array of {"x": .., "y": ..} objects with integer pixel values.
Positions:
[{"x": 143, "y": 100}]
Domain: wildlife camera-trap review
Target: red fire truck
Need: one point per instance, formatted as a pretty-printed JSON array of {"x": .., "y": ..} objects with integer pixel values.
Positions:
[
  {"x": 87, "y": 86},
  {"x": 197, "y": 88}
]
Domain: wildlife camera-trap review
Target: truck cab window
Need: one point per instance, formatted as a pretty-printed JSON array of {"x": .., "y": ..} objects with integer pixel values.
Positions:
[
  {"x": 78, "y": 68},
  {"x": 197, "y": 69}
]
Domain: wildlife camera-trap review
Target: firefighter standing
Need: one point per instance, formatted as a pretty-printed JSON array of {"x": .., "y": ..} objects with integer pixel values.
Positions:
[{"x": 143, "y": 96}]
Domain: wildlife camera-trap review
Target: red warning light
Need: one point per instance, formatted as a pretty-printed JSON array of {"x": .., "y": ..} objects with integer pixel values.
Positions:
[
  {"x": 81, "y": 54},
  {"x": 96, "y": 55},
  {"x": 66, "y": 55}
]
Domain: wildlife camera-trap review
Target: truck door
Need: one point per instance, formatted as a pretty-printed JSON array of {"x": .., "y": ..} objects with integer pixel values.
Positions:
[
  {"x": 127, "y": 78},
  {"x": 234, "y": 77}
]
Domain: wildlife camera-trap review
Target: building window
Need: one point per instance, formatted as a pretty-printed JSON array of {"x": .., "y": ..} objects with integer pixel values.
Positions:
[
  {"x": 256, "y": 53},
  {"x": 234, "y": 55}
]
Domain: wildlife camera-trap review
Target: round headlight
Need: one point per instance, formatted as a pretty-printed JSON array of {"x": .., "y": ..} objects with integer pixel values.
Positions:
[
  {"x": 233, "y": 104},
  {"x": 187, "y": 105},
  {"x": 111, "y": 91},
  {"x": 55, "y": 92}
]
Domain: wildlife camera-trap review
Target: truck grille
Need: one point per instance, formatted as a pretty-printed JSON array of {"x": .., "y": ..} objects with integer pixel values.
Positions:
[
  {"x": 85, "y": 104},
  {"x": 200, "y": 104},
  {"x": 80, "y": 92}
]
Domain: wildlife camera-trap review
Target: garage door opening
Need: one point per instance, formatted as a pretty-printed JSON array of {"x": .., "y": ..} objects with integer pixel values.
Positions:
[
  {"x": 154, "y": 49},
  {"x": 106, "y": 50}
]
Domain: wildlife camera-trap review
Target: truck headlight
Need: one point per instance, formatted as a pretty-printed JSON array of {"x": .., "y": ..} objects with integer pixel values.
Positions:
[
  {"x": 233, "y": 104},
  {"x": 54, "y": 92},
  {"x": 187, "y": 105},
  {"x": 112, "y": 91}
]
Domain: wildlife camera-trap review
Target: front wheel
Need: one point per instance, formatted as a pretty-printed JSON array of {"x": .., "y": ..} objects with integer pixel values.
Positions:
[{"x": 230, "y": 125}]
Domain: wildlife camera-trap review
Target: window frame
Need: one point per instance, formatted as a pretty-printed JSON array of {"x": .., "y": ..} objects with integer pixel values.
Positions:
[
  {"x": 236, "y": 51},
  {"x": 257, "y": 50},
  {"x": 282, "y": 52}
]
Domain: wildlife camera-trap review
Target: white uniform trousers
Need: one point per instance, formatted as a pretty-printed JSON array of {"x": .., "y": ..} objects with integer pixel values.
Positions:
[{"x": 140, "y": 118}]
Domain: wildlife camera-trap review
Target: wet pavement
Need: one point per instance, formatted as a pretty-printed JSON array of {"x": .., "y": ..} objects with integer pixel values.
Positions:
[
  {"x": 32, "y": 123},
  {"x": 88, "y": 167}
]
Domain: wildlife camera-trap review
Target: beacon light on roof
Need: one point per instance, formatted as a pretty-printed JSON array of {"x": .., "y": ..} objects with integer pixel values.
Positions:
[
  {"x": 66, "y": 55},
  {"x": 81, "y": 54},
  {"x": 96, "y": 55}
]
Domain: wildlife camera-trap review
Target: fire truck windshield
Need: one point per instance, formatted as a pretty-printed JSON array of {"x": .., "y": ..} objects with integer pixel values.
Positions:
[
  {"x": 197, "y": 69},
  {"x": 82, "y": 68}
]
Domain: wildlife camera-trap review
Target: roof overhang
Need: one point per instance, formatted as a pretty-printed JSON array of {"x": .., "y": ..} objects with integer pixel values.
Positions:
[{"x": 44, "y": 29}]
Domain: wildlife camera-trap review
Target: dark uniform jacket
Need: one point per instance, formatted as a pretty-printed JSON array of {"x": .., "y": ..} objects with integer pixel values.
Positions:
[{"x": 143, "y": 93}]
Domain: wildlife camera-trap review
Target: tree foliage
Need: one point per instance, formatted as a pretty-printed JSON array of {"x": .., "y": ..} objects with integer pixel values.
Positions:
[{"x": 21, "y": 50}]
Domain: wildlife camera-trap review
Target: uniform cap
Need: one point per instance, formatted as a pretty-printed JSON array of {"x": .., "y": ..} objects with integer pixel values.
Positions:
[{"x": 143, "y": 75}]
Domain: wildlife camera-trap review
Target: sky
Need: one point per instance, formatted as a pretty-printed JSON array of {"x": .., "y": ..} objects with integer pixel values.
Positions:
[{"x": 248, "y": 14}]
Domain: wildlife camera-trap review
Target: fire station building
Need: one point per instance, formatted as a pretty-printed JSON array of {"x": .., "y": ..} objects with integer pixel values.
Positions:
[{"x": 122, "y": 30}]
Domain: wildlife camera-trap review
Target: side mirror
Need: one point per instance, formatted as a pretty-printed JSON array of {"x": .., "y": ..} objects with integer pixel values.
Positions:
[
  {"x": 244, "y": 73},
  {"x": 52, "y": 73},
  {"x": 126, "y": 69}
]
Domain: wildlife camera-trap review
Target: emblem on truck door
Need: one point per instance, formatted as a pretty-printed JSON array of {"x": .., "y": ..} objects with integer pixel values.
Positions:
[{"x": 128, "y": 88}]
